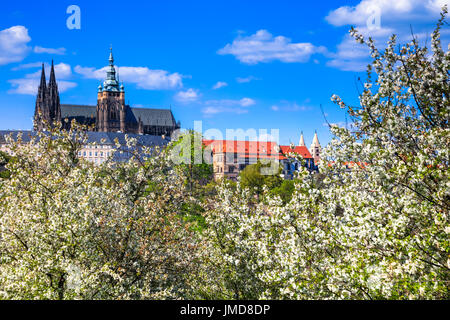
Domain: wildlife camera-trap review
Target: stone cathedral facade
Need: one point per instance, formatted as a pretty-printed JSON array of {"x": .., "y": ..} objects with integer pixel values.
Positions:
[{"x": 111, "y": 114}]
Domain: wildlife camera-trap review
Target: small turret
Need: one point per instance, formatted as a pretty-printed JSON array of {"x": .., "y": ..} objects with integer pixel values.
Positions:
[
  {"x": 122, "y": 93},
  {"x": 141, "y": 126}
]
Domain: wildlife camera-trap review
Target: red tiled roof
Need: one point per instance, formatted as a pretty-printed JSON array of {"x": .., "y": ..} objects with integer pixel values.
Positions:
[
  {"x": 245, "y": 147},
  {"x": 301, "y": 150},
  {"x": 261, "y": 156}
]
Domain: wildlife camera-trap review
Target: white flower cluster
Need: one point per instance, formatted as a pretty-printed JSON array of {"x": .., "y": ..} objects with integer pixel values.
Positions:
[{"x": 374, "y": 223}]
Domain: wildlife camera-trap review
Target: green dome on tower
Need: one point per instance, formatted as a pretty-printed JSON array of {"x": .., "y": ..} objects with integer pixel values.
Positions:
[{"x": 111, "y": 84}]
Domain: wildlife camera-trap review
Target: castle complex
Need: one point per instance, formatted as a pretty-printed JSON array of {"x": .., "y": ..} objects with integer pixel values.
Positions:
[
  {"x": 112, "y": 118},
  {"x": 111, "y": 114}
]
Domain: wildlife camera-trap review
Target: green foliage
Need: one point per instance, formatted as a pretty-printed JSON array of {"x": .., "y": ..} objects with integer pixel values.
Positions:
[
  {"x": 193, "y": 165},
  {"x": 4, "y": 159},
  {"x": 252, "y": 178},
  {"x": 284, "y": 191}
]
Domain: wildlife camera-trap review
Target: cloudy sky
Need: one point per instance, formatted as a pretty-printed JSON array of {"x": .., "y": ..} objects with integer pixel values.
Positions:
[{"x": 231, "y": 64}]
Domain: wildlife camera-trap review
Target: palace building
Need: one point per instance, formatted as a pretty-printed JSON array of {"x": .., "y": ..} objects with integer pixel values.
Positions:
[
  {"x": 111, "y": 114},
  {"x": 230, "y": 157}
]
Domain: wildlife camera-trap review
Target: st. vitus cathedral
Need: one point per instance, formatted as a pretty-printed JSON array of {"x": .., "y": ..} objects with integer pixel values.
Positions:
[{"x": 111, "y": 114}]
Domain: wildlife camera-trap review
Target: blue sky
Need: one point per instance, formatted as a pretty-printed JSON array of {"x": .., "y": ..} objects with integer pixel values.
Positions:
[{"x": 231, "y": 64}]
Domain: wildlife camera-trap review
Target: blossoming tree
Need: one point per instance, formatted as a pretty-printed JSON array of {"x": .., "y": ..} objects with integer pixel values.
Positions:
[{"x": 378, "y": 225}]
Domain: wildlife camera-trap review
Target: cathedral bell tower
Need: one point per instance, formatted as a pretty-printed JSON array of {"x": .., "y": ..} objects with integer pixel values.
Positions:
[{"x": 111, "y": 102}]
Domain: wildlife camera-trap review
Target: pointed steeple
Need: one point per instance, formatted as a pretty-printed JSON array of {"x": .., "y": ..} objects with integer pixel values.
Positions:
[
  {"x": 54, "y": 108},
  {"x": 302, "y": 141},
  {"x": 315, "y": 141},
  {"x": 111, "y": 83},
  {"x": 43, "y": 85},
  {"x": 52, "y": 81},
  {"x": 315, "y": 148},
  {"x": 111, "y": 58},
  {"x": 41, "y": 102}
]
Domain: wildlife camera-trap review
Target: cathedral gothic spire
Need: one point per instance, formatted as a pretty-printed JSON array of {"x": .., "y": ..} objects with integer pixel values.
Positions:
[
  {"x": 111, "y": 114},
  {"x": 48, "y": 107},
  {"x": 42, "y": 86},
  {"x": 53, "y": 97}
]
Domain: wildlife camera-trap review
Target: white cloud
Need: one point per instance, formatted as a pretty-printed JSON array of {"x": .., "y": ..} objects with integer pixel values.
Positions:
[
  {"x": 395, "y": 17},
  {"x": 91, "y": 73},
  {"x": 290, "y": 107},
  {"x": 352, "y": 56},
  {"x": 246, "y": 79},
  {"x": 245, "y": 102},
  {"x": 62, "y": 71},
  {"x": 30, "y": 83},
  {"x": 227, "y": 106},
  {"x": 27, "y": 66},
  {"x": 264, "y": 47},
  {"x": 219, "y": 85},
  {"x": 13, "y": 44},
  {"x": 189, "y": 95},
  {"x": 212, "y": 110},
  {"x": 143, "y": 77},
  {"x": 399, "y": 10},
  {"x": 30, "y": 86},
  {"x": 59, "y": 51}
]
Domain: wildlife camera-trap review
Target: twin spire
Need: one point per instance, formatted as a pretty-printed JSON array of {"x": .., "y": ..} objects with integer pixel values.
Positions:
[
  {"x": 315, "y": 148},
  {"x": 315, "y": 141},
  {"x": 47, "y": 103},
  {"x": 52, "y": 77}
]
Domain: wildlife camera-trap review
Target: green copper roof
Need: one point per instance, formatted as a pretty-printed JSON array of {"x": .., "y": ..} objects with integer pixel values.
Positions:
[{"x": 111, "y": 84}]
